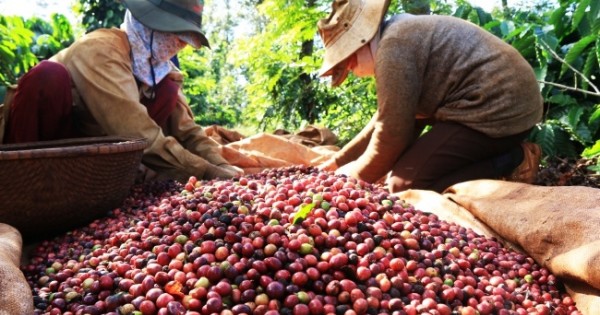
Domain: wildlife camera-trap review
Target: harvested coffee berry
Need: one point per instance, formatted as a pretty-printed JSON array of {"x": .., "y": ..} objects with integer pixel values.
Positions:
[{"x": 294, "y": 240}]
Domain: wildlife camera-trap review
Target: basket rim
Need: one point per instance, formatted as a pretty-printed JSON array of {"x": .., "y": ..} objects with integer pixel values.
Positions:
[{"x": 71, "y": 147}]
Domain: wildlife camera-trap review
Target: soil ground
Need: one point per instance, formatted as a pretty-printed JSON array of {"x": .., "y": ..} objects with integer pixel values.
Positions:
[{"x": 568, "y": 172}]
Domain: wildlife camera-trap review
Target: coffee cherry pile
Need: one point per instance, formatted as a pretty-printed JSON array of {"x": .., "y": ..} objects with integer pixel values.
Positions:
[{"x": 285, "y": 241}]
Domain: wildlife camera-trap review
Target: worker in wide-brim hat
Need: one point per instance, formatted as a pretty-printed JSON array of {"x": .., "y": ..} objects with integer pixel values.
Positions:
[
  {"x": 478, "y": 94},
  {"x": 121, "y": 81}
]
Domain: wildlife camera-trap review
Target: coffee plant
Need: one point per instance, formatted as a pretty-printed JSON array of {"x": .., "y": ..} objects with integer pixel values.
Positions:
[
  {"x": 15, "y": 54},
  {"x": 563, "y": 46},
  {"x": 24, "y": 42}
]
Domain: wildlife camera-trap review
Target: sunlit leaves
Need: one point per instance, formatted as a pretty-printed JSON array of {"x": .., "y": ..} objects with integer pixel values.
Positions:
[
  {"x": 279, "y": 62},
  {"x": 15, "y": 55},
  {"x": 100, "y": 13},
  {"x": 592, "y": 151}
]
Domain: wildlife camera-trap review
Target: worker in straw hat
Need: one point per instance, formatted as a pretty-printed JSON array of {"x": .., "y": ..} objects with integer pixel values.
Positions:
[
  {"x": 478, "y": 94},
  {"x": 121, "y": 81}
]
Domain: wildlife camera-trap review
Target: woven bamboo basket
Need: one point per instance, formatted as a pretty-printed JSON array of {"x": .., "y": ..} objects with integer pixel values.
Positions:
[{"x": 52, "y": 186}]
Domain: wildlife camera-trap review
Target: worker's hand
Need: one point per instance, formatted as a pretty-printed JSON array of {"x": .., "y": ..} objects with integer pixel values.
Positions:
[
  {"x": 329, "y": 165},
  {"x": 233, "y": 169},
  {"x": 144, "y": 174},
  {"x": 348, "y": 170},
  {"x": 222, "y": 171}
]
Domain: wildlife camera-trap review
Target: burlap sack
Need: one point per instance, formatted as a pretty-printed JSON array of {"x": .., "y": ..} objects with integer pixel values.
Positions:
[
  {"x": 15, "y": 296},
  {"x": 557, "y": 226},
  {"x": 223, "y": 135},
  {"x": 310, "y": 136},
  {"x": 262, "y": 151}
]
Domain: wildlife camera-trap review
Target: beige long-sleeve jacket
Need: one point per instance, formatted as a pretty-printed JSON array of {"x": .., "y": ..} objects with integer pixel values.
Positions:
[
  {"x": 107, "y": 102},
  {"x": 443, "y": 69}
]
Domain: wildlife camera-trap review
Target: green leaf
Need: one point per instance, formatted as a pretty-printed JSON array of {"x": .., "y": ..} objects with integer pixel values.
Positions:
[
  {"x": 561, "y": 99},
  {"x": 553, "y": 139},
  {"x": 524, "y": 42},
  {"x": 546, "y": 40},
  {"x": 594, "y": 168},
  {"x": 544, "y": 136},
  {"x": 463, "y": 11},
  {"x": 517, "y": 31},
  {"x": 574, "y": 116},
  {"x": 579, "y": 13},
  {"x": 540, "y": 72},
  {"x": 506, "y": 27},
  {"x": 576, "y": 50},
  {"x": 556, "y": 19},
  {"x": 303, "y": 212},
  {"x": 598, "y": 50},
  {"x": 574, "y": 124},
  {"x": 592, "y": 151},
  {"x": 483, "y": 16},
  {"x": 582, "y": 134},
  {"x": 588, "y": 69},
  {"x": 595, "y": 116},
  {"x": 6, "y": 51},
  {"x": 594, "y": 13}
]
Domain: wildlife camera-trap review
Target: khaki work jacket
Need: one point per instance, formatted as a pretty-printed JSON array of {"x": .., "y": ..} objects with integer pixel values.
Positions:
[{"x": 106, "y": 101}]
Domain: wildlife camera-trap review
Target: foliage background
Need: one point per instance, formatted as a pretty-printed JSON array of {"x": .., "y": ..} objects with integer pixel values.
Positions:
[{"x": 260, "y": 74}]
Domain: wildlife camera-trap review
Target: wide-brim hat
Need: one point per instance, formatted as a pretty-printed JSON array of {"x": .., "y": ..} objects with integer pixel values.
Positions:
[
  {"x": 350, "y": 25},
  {"x": 173, "y": 16}
]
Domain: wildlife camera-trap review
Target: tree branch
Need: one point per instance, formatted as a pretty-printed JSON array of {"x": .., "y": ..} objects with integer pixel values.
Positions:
[
  {"x": 555, "y": 55},
  {"x": 569, "y": 88}
]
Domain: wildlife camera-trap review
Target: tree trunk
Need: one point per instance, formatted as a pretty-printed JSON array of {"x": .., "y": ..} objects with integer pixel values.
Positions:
[
  {"x": 505, "y": 9},
  {"x": 308, "y": 97}
]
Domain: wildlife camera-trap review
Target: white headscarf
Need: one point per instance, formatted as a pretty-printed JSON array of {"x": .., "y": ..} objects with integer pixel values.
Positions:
[{"x": 152, "y": 50}]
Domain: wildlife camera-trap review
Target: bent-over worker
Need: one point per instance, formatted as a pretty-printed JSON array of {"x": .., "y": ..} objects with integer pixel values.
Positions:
[
  {"x": 478, "y": 94},
  {"x": 121, "y": 82}
]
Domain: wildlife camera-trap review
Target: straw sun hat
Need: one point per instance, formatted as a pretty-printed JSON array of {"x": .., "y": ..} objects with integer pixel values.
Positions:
[
  {"x": 350, "y": 25},
  {"x": 170, "y": 15}
]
